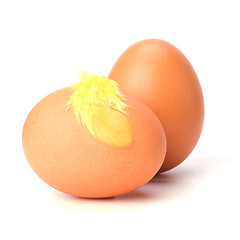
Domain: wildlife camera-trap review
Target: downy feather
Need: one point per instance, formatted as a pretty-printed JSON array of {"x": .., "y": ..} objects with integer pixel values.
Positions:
[{"x": 98, "y": 104}]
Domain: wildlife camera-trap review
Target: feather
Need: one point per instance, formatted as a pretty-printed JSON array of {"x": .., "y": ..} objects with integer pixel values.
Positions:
[{"x": 98, "y": 104}]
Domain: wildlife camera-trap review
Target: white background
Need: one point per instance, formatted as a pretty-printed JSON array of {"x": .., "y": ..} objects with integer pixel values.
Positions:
[{"x": 44, "y": 43}]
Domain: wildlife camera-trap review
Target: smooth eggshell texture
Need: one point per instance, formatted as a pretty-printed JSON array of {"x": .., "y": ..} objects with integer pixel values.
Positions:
[
  {"x": 67, "y": 157},
  {"x": 160, "y": 76}
]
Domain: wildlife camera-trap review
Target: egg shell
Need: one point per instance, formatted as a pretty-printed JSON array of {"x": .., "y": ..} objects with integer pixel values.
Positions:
[
  {"x": 158, "y": 74},
  {"x": 64, "y": 154}
]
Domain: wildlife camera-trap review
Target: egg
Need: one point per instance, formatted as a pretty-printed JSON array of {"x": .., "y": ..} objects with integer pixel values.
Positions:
[
  {"x": 92, "y": 141},
  {"x": 159, "y": 75}
]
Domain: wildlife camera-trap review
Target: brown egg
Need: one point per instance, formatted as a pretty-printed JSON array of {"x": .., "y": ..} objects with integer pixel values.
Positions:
[
  {"x": 65, "y": 155},
  {"x": 159, "y": 75}
]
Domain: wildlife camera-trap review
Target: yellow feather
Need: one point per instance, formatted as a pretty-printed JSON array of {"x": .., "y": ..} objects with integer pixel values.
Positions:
[{"x": 98, "y": 104}]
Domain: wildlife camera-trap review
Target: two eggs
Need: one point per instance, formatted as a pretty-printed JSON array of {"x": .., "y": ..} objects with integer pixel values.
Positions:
[{"x": 105, "y": 137}]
